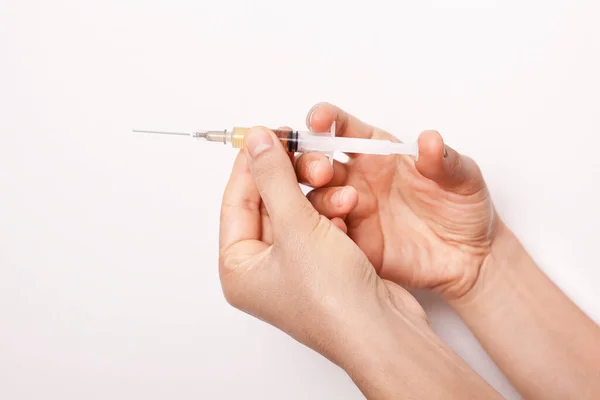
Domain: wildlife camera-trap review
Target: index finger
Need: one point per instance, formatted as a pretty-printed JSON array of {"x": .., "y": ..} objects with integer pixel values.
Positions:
[{"x": 240, "y": 209}]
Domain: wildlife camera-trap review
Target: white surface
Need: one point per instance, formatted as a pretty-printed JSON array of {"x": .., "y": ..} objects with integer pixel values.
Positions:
[{"x": 108, "y": 240}]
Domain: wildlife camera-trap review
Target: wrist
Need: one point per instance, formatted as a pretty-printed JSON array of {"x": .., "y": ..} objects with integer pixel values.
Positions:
[
  {"x": 498, "y": 269},
  {"x": 527, "y": 324},
  {"x": 468, "y": 265},
  {"x": 395, "y": 354}
]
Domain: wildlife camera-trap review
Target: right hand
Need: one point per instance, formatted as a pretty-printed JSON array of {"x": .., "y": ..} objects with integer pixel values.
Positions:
[
  {"x": 427, "y": 223},
  {"x": 284, "y": 263}
]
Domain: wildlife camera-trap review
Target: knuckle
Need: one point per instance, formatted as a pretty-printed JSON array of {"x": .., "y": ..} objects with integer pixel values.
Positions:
[
  {"x": 473, "y": 179},
  {"x": 455, "y": 165},
  {"x": 246, "y": 204},
  {"x": 307, "y": 211},
  {"x": 231, "y": 296},
  {"x": 227, "y": 265},
  {"x": 318, "y": 225},
  {"x": 241, "y": 277},
  {"x": 475, "y": 167},
  {"x": 226, "y": 261}
]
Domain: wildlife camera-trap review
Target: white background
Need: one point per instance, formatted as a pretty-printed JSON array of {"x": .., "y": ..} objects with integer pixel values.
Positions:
[{"x": 108, "y": 239}]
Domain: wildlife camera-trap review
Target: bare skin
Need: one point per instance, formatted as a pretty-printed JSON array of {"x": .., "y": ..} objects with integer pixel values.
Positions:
[
  {"x": 431, "y": 223},
  {"x": 427, "y": 223},
  {"x": 283, "y": 262}
]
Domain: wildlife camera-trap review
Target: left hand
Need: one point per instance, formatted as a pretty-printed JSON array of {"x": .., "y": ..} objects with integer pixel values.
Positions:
[{"x": 426, "y": 223}]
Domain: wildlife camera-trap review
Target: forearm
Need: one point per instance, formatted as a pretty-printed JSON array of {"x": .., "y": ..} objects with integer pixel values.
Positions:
[
  {"x": 544, "y": 344},
  {"x": 401, "y": 360}
]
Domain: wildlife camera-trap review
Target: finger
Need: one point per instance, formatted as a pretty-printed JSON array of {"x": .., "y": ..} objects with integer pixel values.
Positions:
[
  {"x": 334, "y": 201},
  {"x": 275, "y": 179},
  {"x": 447, "y": 167},
  {"x": 340, "y": 224},
  {"x": 240, "y": 209},
  {"x": 322, "y": 115},
  {"x": 314, "y": 169}
]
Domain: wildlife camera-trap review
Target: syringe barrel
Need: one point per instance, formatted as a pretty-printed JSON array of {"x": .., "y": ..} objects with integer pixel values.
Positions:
[
  {"x": 303, "y": 142},
  {"x": 288, "y": 138}
]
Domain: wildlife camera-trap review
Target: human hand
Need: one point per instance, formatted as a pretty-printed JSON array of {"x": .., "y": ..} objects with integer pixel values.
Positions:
[
  {"x": 426, "y": 223},
  {"x": 284, "y": 263}
]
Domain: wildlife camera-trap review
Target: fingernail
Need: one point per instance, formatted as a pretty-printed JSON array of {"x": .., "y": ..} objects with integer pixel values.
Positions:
[
  {"x": 312, "y": 167},
  {"x": 310, "y": 116},
  {"x": 257, "y": 141},
  {"x": 338, "y": 197}
]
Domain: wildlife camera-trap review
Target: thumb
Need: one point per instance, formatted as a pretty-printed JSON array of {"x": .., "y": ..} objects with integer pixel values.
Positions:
[
  {"x": 446, "y": 167},
  {"x": 275, "y": 178}
]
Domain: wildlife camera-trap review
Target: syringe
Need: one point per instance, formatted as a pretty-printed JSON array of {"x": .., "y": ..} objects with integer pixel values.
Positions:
[{"x": 304, "y": 141}]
